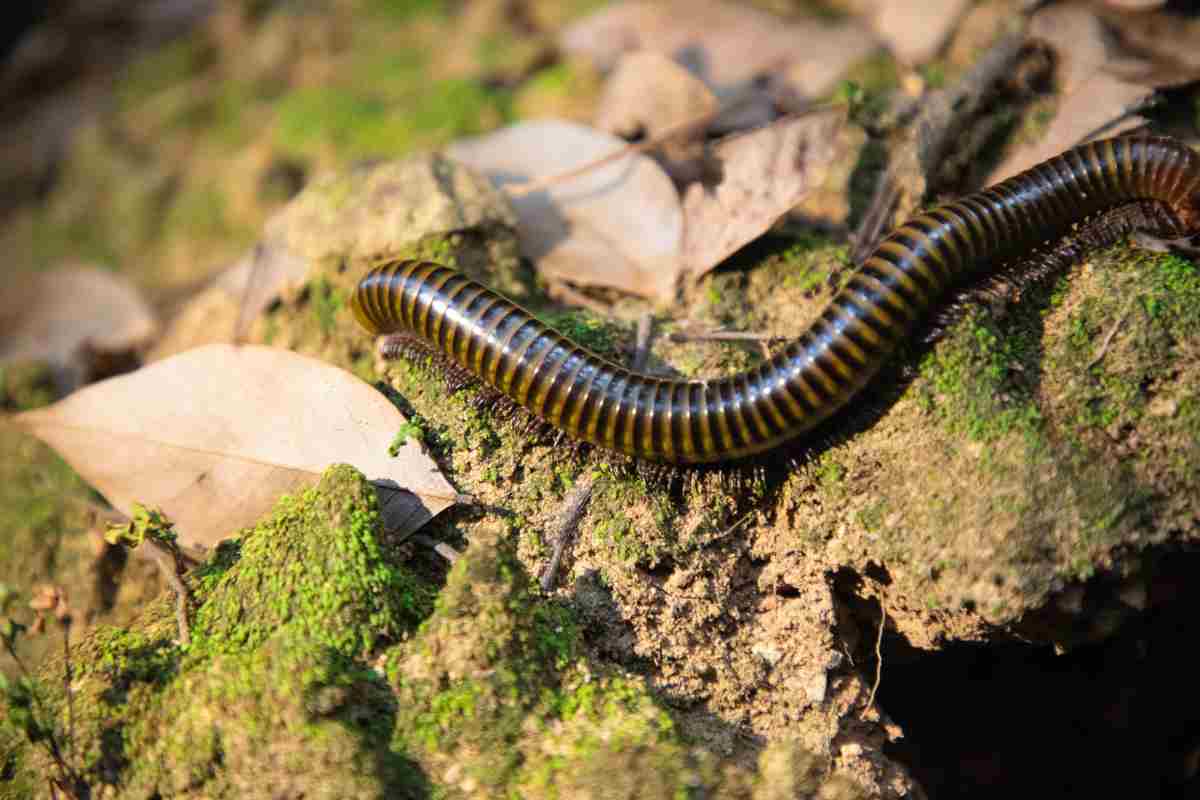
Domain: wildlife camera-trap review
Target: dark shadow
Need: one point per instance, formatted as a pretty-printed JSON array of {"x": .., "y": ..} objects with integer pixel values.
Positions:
[
  {"x": 362, "y": 702},
  {"x": 1119, "y": 718}
]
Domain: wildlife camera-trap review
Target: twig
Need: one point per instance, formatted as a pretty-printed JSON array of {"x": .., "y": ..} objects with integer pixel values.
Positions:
[
  {"x": 576, "y": 505},
  {"x": 641, "y": 349},
  {"x": 67, "y": 689},
  {"x": 878, "y": 658},
  {"x": 441, "y": 548},
  {"x": 935, "y": 131},
  {"x": 680, "y": 337},
  {"x": 168, "y": 561},
  {"x": 1108, "y": 337},
  {"x": 564, "y": 293}
]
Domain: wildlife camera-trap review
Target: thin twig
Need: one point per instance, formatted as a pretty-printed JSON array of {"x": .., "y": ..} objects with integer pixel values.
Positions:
[
  {"x": 935, "y": 130},
  {"x": 564, "y": 293},
  {"x": 67, "y": 679},
  {"x": 641, "y": 349},
  {"x": 1108, "y": 337},
  {"x": 441, "y": 548},
  {"x": 576, "y": 505},
  {"x": 878, "y": 657},
  {"x": 169, "y": 565},
  {"x": 680, "y": 337}
]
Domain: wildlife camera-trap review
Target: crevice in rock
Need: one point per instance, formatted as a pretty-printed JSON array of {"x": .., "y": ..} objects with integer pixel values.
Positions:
[{"x": 1115, "y": 718}]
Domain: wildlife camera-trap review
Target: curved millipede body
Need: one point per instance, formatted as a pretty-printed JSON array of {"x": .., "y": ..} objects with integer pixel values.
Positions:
[{"x": 681, "y": 421}]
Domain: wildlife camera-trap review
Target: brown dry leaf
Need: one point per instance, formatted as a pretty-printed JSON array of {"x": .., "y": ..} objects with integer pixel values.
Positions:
[
  {"x": 914, "y": 30},
  {"x": 619, "y": 225},
  {"x": 215, "y": 435},
  {"x": 649, "y": 93},
  {"x": 1077, "y": 37},
  {"x": 649, "y": 96},
  {"x": 724, "y": 44},
  {"x": 68, "y": 316},
  {"x": 1160, "y": 48},
  {"x": 764, "y": 174}
]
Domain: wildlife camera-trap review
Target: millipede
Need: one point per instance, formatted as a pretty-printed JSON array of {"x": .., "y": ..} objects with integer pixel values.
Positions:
[{"x": 698, "y": 421}]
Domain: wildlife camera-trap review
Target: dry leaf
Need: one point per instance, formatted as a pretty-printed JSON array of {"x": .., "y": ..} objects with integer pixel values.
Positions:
[
  {"x": 914, "y": 30},
  {"x": 1078, "y": 39},
  {"x": 764, "y": 174},
  {"x": 215, "y": 435},
  {"x": 724, "y": 44},
  {"x": 619, "y": 225},
  {"x": 649, "y": 93},
  {"x": 820, "y": 59},
  {"x": 68, "y": 316},
  {"x": 1159, "y": 48}
]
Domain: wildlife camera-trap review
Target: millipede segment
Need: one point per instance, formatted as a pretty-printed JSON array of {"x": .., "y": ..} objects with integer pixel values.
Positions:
[{"x": 909, "y": 274}]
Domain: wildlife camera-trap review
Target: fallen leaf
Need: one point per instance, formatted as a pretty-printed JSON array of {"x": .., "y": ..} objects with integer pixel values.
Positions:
[
  {"x": 619, "y": 225},
  {"x": 820, "y": 59},
  {"x": 1159, "y": 47},
  {"x": 653, "y": 99},
  {"x": 215, "y": 435},
  {"x": 764, "y": 174},
  {"x": 648, "y": 93},
  {"x": 723, "y": 44},
  {"x": 1078, "y": 39},
  {"x": 914, "y": 30},
  {"x": 69, "y": 316}
]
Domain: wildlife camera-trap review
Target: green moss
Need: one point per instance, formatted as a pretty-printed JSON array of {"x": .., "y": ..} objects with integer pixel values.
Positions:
[
  {"x": 125, "y": 657},
  {"x": 808, "y": 264},
  {"x": 972, "y": 380},
  {"x": 492, "y": 692},
  {"x": 597, "y": 334},
  {"x": 25, "y": 385},
  {"x": 161, "y": 69},
  {"x": 44, "y": 541},
  {"x": 269, "y": 697},
  {"x": 315, "y": 565},
  {"x": 362, "y": 122},
  {"x": 288, "y": 715},
  {"x": 404, "y": 10},
  {"x": 634, "y": 524},
  {"x": 199, "y": 210},
  {"x": 326, "y": 300}
]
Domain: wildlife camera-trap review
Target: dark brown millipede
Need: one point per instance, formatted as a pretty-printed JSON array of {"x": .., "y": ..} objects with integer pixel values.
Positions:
[{"x": 682, "y": 421}]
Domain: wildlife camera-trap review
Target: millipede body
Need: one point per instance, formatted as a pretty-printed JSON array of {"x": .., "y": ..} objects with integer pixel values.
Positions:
[{"x": 912, "y": 270}]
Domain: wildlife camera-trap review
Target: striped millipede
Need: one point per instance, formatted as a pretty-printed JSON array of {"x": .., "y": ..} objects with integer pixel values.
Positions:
[{"x": 682, "y": 421}]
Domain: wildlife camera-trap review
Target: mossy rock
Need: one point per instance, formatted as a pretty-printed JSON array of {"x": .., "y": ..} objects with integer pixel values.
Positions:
[
  {"x": 314, "y": 565},
  {"x": 272, "y": 695}
]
